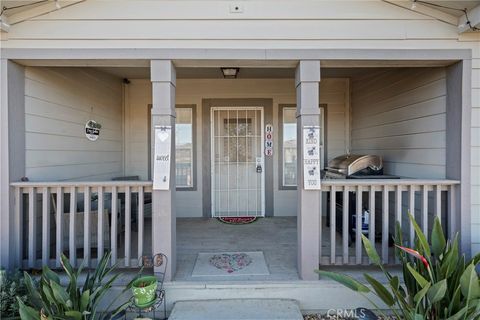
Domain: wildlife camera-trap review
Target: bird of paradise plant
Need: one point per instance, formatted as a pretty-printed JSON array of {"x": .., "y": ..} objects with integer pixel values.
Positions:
[{"x": 438, "y": 282}]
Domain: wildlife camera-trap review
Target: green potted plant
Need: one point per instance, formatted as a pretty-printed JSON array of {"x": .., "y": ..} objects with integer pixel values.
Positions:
[{"x": 144, "y": 289}]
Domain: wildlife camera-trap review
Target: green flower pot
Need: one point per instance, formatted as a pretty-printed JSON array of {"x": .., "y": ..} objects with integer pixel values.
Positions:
[{"x": 144, "y": 289}]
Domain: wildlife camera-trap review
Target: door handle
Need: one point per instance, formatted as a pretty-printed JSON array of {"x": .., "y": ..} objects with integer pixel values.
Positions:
[{"x": 259, "y": 168}]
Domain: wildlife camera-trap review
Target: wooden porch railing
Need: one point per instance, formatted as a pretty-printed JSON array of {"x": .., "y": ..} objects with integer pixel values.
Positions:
[
  {"x": 386, "y": 201},
  {"x": 107, "y": 215},
  {"x": 103, "y": 222}
]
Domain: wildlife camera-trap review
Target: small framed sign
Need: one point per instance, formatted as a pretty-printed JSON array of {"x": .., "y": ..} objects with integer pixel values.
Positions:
[
  {"x": 311, "y": 158},
  {"x": 161, "y": 165},
  {"x": 92, "y": 130}
]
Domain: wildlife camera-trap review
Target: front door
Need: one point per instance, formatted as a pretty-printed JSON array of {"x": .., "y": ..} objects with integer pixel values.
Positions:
[{"x": 238, "y": 173}]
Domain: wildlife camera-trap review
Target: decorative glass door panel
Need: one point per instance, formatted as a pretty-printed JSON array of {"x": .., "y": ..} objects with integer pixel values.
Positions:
[{"x": 238, "y": 173}]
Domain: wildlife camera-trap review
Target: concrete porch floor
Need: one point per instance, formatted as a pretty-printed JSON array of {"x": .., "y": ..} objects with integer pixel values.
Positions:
[{"x": 275, "y": 237}]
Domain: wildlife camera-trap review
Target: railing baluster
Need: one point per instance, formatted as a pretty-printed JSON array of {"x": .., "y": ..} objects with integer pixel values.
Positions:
[
  {"x": 452, "y": 212},
  {"x": 425, "y": 210},
  {"x": 45, "y": 225},
  {"x": 19, "y": 226},
  {"x": 333, "y": 217},
  {"x": 32, "y": 227},
  {"x": 140, "y": 221},
  {"x": 358, "y": 220},
  {"x": 128, "y": 225},
  {"x": 385, "y": 207},
  {"x": 438, "y": 201},
  {"x": 371, "y": 205},
  {"x": 72, "y": 237},
  {"x": 59, "y": 230},
  {"x": 345, "y": 226},
  {"x": 87, "y": 199},
  {"x": 113, "y": 227},
  {"x": 411, "y": 203},
  {"x": 398, "y": 205},
  {"x": 100, "y": 222},
  {"x": 398, "y": 211}
]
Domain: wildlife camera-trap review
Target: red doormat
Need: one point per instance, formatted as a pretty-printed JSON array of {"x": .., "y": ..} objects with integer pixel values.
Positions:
[{"x": 237, "y": 220}]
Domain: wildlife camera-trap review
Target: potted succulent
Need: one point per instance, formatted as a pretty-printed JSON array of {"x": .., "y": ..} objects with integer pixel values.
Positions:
[{"x": 144, "y": 289}]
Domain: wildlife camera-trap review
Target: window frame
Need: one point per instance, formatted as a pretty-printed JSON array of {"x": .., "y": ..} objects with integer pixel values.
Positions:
[
  {"x": 281, "y": 107},
  {"x": 193, "y": 187}
]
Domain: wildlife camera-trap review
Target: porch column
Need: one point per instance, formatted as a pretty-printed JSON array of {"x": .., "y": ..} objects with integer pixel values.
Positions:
[
  {"x": 307, "y": 78},
  {"x": 12, "y": 157},
  {"x": 163, "y": 79}
]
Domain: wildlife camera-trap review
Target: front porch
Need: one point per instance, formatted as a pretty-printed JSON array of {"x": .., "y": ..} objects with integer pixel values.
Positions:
[{"x": 81, "y": 200}]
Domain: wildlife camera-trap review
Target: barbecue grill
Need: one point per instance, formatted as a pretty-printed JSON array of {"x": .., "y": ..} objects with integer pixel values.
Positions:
[{"x": 351, "y": 166}]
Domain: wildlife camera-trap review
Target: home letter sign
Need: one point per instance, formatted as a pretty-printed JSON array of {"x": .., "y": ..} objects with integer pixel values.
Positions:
[
  {"x": 161, "y": 164},
  {"x": 269, "y": 140},
  {"x": 311, "y": 158}
]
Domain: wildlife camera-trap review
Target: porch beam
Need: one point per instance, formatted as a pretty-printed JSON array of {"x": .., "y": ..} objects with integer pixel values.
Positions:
[
  {"x": 163, "y": 77},
  {"x": 12, "y": 156},
  {"x": 40, "y": 10},
  {"x": 425, "y": 10},
  {"x": 473, "y": 17},
  {"x": 307, "y": 78}
]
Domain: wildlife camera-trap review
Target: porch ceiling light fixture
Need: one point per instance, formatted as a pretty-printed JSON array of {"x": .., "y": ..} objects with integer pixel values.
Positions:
[{"x": 230, "y": 72}]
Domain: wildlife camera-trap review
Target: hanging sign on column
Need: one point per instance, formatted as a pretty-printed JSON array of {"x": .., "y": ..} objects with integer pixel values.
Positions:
[
  {"x": 269, "y": 140},
  {"x": 311, "y": 158},
  {"x": 161, "y": 165}
]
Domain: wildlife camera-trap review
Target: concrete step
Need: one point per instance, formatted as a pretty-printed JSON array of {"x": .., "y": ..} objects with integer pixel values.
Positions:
[{"x": 236, "y": 309}]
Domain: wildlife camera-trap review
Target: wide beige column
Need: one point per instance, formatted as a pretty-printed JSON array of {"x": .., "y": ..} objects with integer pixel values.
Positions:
[
  {"x": 307, "y": 78},
  {"x": 163, "y": 79}
]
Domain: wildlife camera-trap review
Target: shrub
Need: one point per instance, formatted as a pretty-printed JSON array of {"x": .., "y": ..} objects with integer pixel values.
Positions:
[
  {"x": 11, "y": 286},
  {"x": 53, "y": 301},
  {"x": 438, "y": 282}
]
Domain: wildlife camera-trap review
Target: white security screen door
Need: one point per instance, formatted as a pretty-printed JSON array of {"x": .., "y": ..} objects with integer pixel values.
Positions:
[{"x": 238, "y": 172}]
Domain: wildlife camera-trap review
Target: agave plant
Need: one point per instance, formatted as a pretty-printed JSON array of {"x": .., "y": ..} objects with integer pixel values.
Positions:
[
  {"x": 438, "y": 282},
  {"x": 51, "y": 300}
]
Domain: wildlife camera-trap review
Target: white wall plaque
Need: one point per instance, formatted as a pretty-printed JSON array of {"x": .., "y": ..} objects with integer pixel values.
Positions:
[
  {"x": 311, "y": 158},
  {"x": 161, "y": 164},
  {"x": 92, "y": 130}
]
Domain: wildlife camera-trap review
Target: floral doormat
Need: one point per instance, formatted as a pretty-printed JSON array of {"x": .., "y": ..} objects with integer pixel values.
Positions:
[
  {"x": 230, "y": 264},
  {"x": 237, "y": 220}
]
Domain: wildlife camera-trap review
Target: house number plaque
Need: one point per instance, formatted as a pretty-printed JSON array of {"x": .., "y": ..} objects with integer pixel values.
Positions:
[
  {"x": 311, "y": 158},
  {"x": 161, "y": 166}
]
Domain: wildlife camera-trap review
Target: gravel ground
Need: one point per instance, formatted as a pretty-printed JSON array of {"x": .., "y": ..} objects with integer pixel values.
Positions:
[{"x": 334, "y": 317}]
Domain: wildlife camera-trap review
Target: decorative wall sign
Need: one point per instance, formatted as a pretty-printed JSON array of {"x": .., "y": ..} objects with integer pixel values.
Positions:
[
  {"x": 161, "y": 164},
  {"x": 92, "y": 130},
  {"x": 311, "y": 158},
  {"x": 268, "y": 140}
]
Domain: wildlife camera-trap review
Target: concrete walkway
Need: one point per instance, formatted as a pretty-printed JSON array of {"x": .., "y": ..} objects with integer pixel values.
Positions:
[{"x": 237, "y": 309}]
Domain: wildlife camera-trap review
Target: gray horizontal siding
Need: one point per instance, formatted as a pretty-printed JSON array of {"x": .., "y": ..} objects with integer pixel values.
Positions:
[
  {"x": 58, "y": 102},
  {"x": 400, "y": 115}
]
